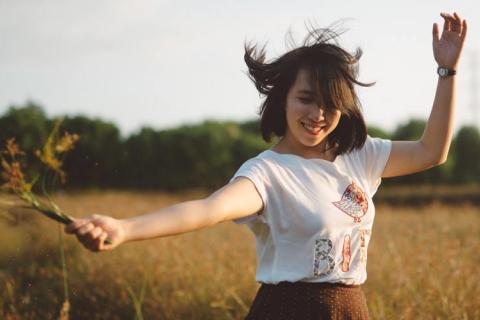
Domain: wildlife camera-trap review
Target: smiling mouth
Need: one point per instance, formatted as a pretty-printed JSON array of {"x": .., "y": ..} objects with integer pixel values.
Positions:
[{"x": 312, "y": 129}]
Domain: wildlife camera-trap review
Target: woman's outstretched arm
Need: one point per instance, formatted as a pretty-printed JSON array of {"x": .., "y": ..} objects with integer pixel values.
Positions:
[
  {"x": 235, "y": 200},
  {"x": 409, "y": 157}
]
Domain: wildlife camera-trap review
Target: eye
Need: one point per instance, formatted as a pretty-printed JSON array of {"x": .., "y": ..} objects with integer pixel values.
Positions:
[{"x": 305, "y": 100}]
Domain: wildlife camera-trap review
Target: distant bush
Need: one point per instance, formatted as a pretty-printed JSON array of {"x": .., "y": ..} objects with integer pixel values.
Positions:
[{"x": 203, "y": 155}]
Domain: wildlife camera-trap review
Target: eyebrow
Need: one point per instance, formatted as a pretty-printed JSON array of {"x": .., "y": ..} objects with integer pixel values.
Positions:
[{"x": 308, "y": 92}]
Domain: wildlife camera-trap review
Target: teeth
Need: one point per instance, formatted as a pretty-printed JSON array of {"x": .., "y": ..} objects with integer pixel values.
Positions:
[{"x": 314, "y": 129}]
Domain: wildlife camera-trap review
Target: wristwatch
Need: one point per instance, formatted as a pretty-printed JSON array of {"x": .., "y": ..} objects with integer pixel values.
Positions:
[{"x": 445, "y": 72}]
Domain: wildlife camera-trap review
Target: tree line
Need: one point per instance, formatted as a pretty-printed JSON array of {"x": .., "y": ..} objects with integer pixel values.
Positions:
[{"x": 203, "y": 155}]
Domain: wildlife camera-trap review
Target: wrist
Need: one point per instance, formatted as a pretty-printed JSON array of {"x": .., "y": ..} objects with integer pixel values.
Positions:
[
  {"x": 445, "y": 72},
  {"x": 447, "y": 65},
  {"x": 128, "y": 229}
]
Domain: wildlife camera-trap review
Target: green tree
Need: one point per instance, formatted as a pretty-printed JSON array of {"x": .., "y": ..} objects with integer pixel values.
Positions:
[
  {"x": 467, "y": 154},
  {"x": 378, "y": 132},
  {"x": 200, "y": 155},
  {"x": 97, "y": 158},
  {"x": 410, "y": 131},
  {"x": 189, "y": 156},
  {"x": 251, "y": 126},
  {"x": 140, "y": 167},
  {"x": 30, "y": 127},
  {"x": 28, "y": 124}
]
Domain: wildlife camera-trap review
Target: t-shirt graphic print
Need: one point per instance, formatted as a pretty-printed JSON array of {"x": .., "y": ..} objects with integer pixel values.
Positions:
[
  {"x": 323, "y": 261},
  {"x": 353, "y": 202},
  {"x": 317, "y": 216}
]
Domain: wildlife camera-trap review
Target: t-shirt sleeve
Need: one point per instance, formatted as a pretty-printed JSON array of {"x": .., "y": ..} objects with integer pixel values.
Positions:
[
  {"x": 252, "y": 170},
  {"x": 373, "y": 158}
]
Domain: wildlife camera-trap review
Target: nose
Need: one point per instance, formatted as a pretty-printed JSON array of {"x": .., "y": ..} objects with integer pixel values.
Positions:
[{"x": 317, "y": 114}]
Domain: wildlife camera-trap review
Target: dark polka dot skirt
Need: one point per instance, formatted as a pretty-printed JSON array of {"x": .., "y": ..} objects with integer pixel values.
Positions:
[{"x": 308, "y": 301}]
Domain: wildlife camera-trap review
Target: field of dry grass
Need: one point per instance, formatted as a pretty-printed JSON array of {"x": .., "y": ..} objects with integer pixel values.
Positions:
[{"x": 423, "y": 264}]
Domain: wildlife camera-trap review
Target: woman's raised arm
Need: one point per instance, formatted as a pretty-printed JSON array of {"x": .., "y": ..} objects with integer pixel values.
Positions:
[
  {"x": 409, "y": 157},
  {"x": 237, "y": 199}
]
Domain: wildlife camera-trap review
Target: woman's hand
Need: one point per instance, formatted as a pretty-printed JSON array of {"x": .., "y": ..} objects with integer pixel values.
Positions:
[
  {"x": 94, "y": 230},
  {"x": 447, "y": 47}
]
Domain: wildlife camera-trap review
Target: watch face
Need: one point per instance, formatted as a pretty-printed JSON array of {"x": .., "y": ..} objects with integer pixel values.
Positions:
[{"x": 442, "y": 72}]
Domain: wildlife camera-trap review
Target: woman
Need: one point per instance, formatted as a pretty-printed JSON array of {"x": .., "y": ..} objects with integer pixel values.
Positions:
[{"x": 308, "y": 200}]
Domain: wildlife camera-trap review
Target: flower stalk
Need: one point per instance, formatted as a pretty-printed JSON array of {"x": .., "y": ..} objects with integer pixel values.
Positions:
[
  {"x": 51, "y": 155},
  {"x": 15, "y": 180}
]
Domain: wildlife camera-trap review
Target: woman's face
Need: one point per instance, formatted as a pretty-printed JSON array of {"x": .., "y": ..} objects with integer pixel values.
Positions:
[{"x": 308, "y": 123}]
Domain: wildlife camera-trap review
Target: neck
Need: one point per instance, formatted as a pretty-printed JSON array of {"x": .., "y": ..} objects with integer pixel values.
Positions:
[{"x": 321, "y": 150}]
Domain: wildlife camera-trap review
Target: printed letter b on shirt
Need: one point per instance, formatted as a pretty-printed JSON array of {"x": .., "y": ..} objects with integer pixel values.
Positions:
[{"x": 253, "y": 171}]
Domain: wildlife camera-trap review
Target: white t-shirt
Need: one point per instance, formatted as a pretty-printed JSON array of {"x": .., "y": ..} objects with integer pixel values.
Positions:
[{"x": 317, "y": 217}]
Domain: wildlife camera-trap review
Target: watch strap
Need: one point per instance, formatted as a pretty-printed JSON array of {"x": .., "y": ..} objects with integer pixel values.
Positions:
[{"x": 445, "y": 72}]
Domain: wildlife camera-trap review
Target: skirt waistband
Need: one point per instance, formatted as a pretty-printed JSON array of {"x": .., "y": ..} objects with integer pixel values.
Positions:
[{"x": 313, "y": 284}]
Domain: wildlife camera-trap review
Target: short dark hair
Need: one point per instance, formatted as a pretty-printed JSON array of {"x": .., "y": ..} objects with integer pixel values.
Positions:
[{"x": 333, "y": 73}]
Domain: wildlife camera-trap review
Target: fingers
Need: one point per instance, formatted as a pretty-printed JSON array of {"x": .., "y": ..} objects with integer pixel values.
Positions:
[
  {"x": 94, "y": 234},
  {"x": 447, "y": 21},
  {"x": 93, "y": 239},
  {"x": 78, "y": 223},
  {"x": 457, "y": 25},
  {"x": 89, "y": 232},
  {"x": 452, "y": 22},
  {"x": 86, "y": 228},
  {"x": 73, "y": 226},
  {"x": 436, "y": 32},
  {"x": 101, "y": 242},
  {"x": 463, "y": 34}
]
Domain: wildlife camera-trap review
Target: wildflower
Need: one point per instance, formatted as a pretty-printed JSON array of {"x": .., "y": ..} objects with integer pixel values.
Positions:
[
  {"x": 66, "y": 143},
  {"x": 15, "y": 180},
  {"x": 12, "y": 171},
  {"x": 55, "y": 146},
  {"x": 65, "y": 310},
  {"x": 12, "y": 149}
]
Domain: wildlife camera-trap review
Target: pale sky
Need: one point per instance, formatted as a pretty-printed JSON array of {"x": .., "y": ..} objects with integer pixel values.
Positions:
[{"x": 166, "y": 63}]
